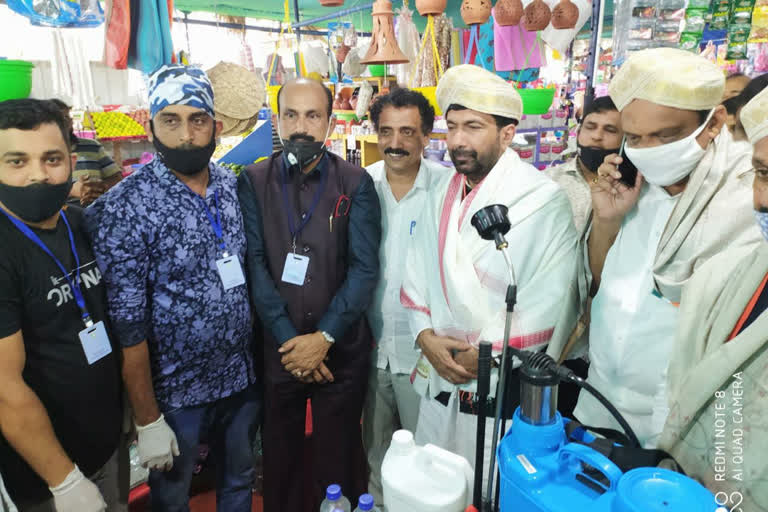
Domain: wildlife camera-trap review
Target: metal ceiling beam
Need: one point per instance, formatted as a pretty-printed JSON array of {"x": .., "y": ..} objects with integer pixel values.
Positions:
[
  {"x": 332, "y": 16},
  {"x": 253, "y": 27}
]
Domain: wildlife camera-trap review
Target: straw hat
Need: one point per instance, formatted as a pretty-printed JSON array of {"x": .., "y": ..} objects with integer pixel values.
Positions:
[{"x": 238, "y": 93}]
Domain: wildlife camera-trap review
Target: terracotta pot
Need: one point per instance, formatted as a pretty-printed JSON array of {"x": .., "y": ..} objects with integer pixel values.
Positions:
[
  {"x": 475, "y": 12},
  {"x": 331, "y": 3},
  {"x": 341, "y": 53},
  {"x": 565, "y": 15},
  {"x": 536, "y": 16},
  {"x": 338, "y": 101},
  {"x": 508, "y": 12},
  {"x": 433, "y": 7},
  {"x": 346, "y": 105}
]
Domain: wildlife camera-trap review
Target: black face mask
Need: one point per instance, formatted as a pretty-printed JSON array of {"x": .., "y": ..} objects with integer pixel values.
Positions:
[
  {"x": 592, "y": 158},
  {"x": 35, "y": 203},
  {"x": 187, "y": 161},
  {"x": 302, "y": 152}
]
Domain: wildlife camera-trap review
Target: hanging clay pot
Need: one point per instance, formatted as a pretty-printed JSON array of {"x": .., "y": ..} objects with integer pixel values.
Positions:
[
  {"x": 536, "y": 16},
  {"x": 338, "y": 101},
  {"x": 433, "y": 7},
  {"x": 345, "y": 104},
  {"x": 508, "y": 12},
  {"x": 475, "y": 12},
  {"x": 331, "y": 3},
  {"x": 565, "y": 15},
  {"x": 341, "y": 53}
]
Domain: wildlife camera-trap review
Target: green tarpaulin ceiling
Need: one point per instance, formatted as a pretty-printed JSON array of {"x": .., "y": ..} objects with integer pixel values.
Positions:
[{"x": 273, "y": 10}]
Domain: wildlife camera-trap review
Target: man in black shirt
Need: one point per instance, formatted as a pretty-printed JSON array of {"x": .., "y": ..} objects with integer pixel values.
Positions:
[{"x": 60, "y": 395}]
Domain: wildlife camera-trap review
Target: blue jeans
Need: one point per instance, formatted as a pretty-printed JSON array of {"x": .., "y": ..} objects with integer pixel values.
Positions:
[{"x": 231, "y": 425}]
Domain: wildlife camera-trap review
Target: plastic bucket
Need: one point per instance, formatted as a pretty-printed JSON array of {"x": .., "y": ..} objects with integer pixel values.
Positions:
[
  {"x": 15, "y": 79},
  {"x": 536, "y": 101},
  {"x": 377, "y": 69}
]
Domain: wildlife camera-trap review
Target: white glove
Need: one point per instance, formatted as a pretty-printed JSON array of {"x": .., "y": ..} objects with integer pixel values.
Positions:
[
  {"x": 77, "y": 494},
  {"x": 157, "y": 445}
]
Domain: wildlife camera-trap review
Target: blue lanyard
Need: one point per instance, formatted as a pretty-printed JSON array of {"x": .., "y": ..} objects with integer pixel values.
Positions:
[
  {"x": 287, "y": 205},
  {"x": 75, "y": 287},
  {"x": 215, "y": 221}
]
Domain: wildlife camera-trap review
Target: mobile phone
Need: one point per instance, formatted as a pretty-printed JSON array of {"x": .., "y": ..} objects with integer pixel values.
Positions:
[{"x": 626, "y": 168}]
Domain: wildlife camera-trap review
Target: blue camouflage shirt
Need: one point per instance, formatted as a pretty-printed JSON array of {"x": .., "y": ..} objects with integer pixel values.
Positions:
[{"x": 158, "y": 252}]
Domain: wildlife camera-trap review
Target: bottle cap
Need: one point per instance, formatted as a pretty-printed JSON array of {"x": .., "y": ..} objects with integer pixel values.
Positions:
[
  {"x": 366, "y": 502},
  {"x": 333, "y": 492}
]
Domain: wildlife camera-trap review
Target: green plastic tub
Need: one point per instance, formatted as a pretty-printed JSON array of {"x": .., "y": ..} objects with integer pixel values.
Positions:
[
  {"x": 378, "y": 69},
  {"x": 15, "y": 79},
  {"x": 537, "y": 101}
]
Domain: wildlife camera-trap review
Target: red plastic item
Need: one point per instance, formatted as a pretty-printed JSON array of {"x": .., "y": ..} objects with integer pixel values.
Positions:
[
  {"x": 471, "y": 508},
  {"x": 118, "y": 35}
]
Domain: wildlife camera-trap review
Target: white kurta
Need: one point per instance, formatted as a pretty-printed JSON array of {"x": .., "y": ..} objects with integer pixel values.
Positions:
[
  {"x": 632, "y": 330},
  {"x": 400, "y": 223}
]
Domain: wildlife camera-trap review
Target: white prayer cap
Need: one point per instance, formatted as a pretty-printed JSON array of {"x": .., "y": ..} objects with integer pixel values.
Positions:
[
  {"x": 477, "y": 89},
  {"x": 754, "y": 117},
  {"x": 670, "y": 77}
]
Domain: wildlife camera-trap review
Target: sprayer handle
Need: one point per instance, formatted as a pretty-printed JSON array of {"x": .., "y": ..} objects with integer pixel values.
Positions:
[{"x": 484, "y": 369}]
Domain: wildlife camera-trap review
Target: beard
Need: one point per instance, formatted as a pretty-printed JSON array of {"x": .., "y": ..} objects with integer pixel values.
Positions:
[{"x": 475, "y": 166}]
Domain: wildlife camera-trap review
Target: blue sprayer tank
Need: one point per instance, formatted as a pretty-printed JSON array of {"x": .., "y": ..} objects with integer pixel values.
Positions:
[{"x": 542, "y": 472}]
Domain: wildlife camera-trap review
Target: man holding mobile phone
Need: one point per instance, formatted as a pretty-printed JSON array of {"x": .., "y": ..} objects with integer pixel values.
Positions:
[{"x": 689, "y": 201}]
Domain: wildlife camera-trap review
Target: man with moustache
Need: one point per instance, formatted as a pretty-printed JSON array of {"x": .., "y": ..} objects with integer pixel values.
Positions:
[
  {"x": 60, "y": 394},
  {"x": 599, "y": 135},
  {"x": 403, "y": 179},
  {"x": 313, "y": 227},
  {"x": 719, "y": 365},
  {"x": 171, "y": 243},
  {"x": 456, "y": 282}
]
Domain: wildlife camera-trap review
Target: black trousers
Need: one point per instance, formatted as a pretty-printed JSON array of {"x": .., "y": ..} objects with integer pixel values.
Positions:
[{"x": 295, "y": 481}]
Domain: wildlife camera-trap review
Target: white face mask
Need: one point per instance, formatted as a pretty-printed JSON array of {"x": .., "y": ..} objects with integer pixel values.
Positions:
[{"x": 669, "y": 163}]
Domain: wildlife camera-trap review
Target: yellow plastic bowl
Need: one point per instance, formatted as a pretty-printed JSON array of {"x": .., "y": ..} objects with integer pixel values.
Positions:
[{"x": 429, "y": 93}]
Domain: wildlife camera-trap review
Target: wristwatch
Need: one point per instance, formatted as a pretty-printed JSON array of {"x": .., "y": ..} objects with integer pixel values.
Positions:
[{"x": 330, "y": 339}]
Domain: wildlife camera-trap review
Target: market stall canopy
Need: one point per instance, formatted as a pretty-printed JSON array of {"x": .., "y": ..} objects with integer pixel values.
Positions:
[{"x": 308, "y": 9}]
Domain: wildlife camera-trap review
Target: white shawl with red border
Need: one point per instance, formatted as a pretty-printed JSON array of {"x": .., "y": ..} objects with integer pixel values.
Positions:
[{"x": 456, "y": 282}]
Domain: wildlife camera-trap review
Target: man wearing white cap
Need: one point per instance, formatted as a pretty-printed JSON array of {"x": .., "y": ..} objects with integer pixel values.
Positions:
[
  {"x": 719, "y": 366},
  {"x": 456, "y": 282},
  {"x": 690, "y": 200}
]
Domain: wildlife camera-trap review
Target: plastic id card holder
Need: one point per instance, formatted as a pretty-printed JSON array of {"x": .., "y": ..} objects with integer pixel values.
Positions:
[
  {"x": 230, "y": 272},
  {"x": 95, "y": 342},
  {"x": 295, "y": 270}
]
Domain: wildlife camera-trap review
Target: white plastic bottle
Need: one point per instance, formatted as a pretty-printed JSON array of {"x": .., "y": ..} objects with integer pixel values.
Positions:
[
  {"x": 335, "y": 501},
  {"x": 424, "y": 478},
  {"x": 366, "y": 504}
]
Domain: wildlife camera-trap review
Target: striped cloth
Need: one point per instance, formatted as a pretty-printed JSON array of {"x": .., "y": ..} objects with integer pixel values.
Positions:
[{"x": 93, "y": 161}]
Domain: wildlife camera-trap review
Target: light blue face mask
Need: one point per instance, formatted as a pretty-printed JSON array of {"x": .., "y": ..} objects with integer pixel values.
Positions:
[{"x": 762, "y": 222}]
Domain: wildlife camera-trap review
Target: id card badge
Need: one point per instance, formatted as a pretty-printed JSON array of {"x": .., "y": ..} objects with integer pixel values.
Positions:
[
  {"x": 230, "y": 272},
  {"x": 295, "y": 269},
  {"x": 95, "y": 342}
]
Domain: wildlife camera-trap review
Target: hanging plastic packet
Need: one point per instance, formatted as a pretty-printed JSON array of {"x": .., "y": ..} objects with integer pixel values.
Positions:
[
  {"x": 759, "y": 32},
  {"x": 363, "y": 99},
  {"x": 408, "y": 39},
  {"x": 720, "y": 14},
  {"x": 350, "y": 36},
  {"x": 52, "y": 13},
  {"x": 741, "y": 11},
  {"x": 91, "y": 14},
  {"x": 738, "y": 35}
]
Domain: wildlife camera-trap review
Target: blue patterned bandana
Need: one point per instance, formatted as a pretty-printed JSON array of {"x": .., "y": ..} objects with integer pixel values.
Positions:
[
  {"x": 762, "y": 222},
  {"x": 176, "y": 84}
]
